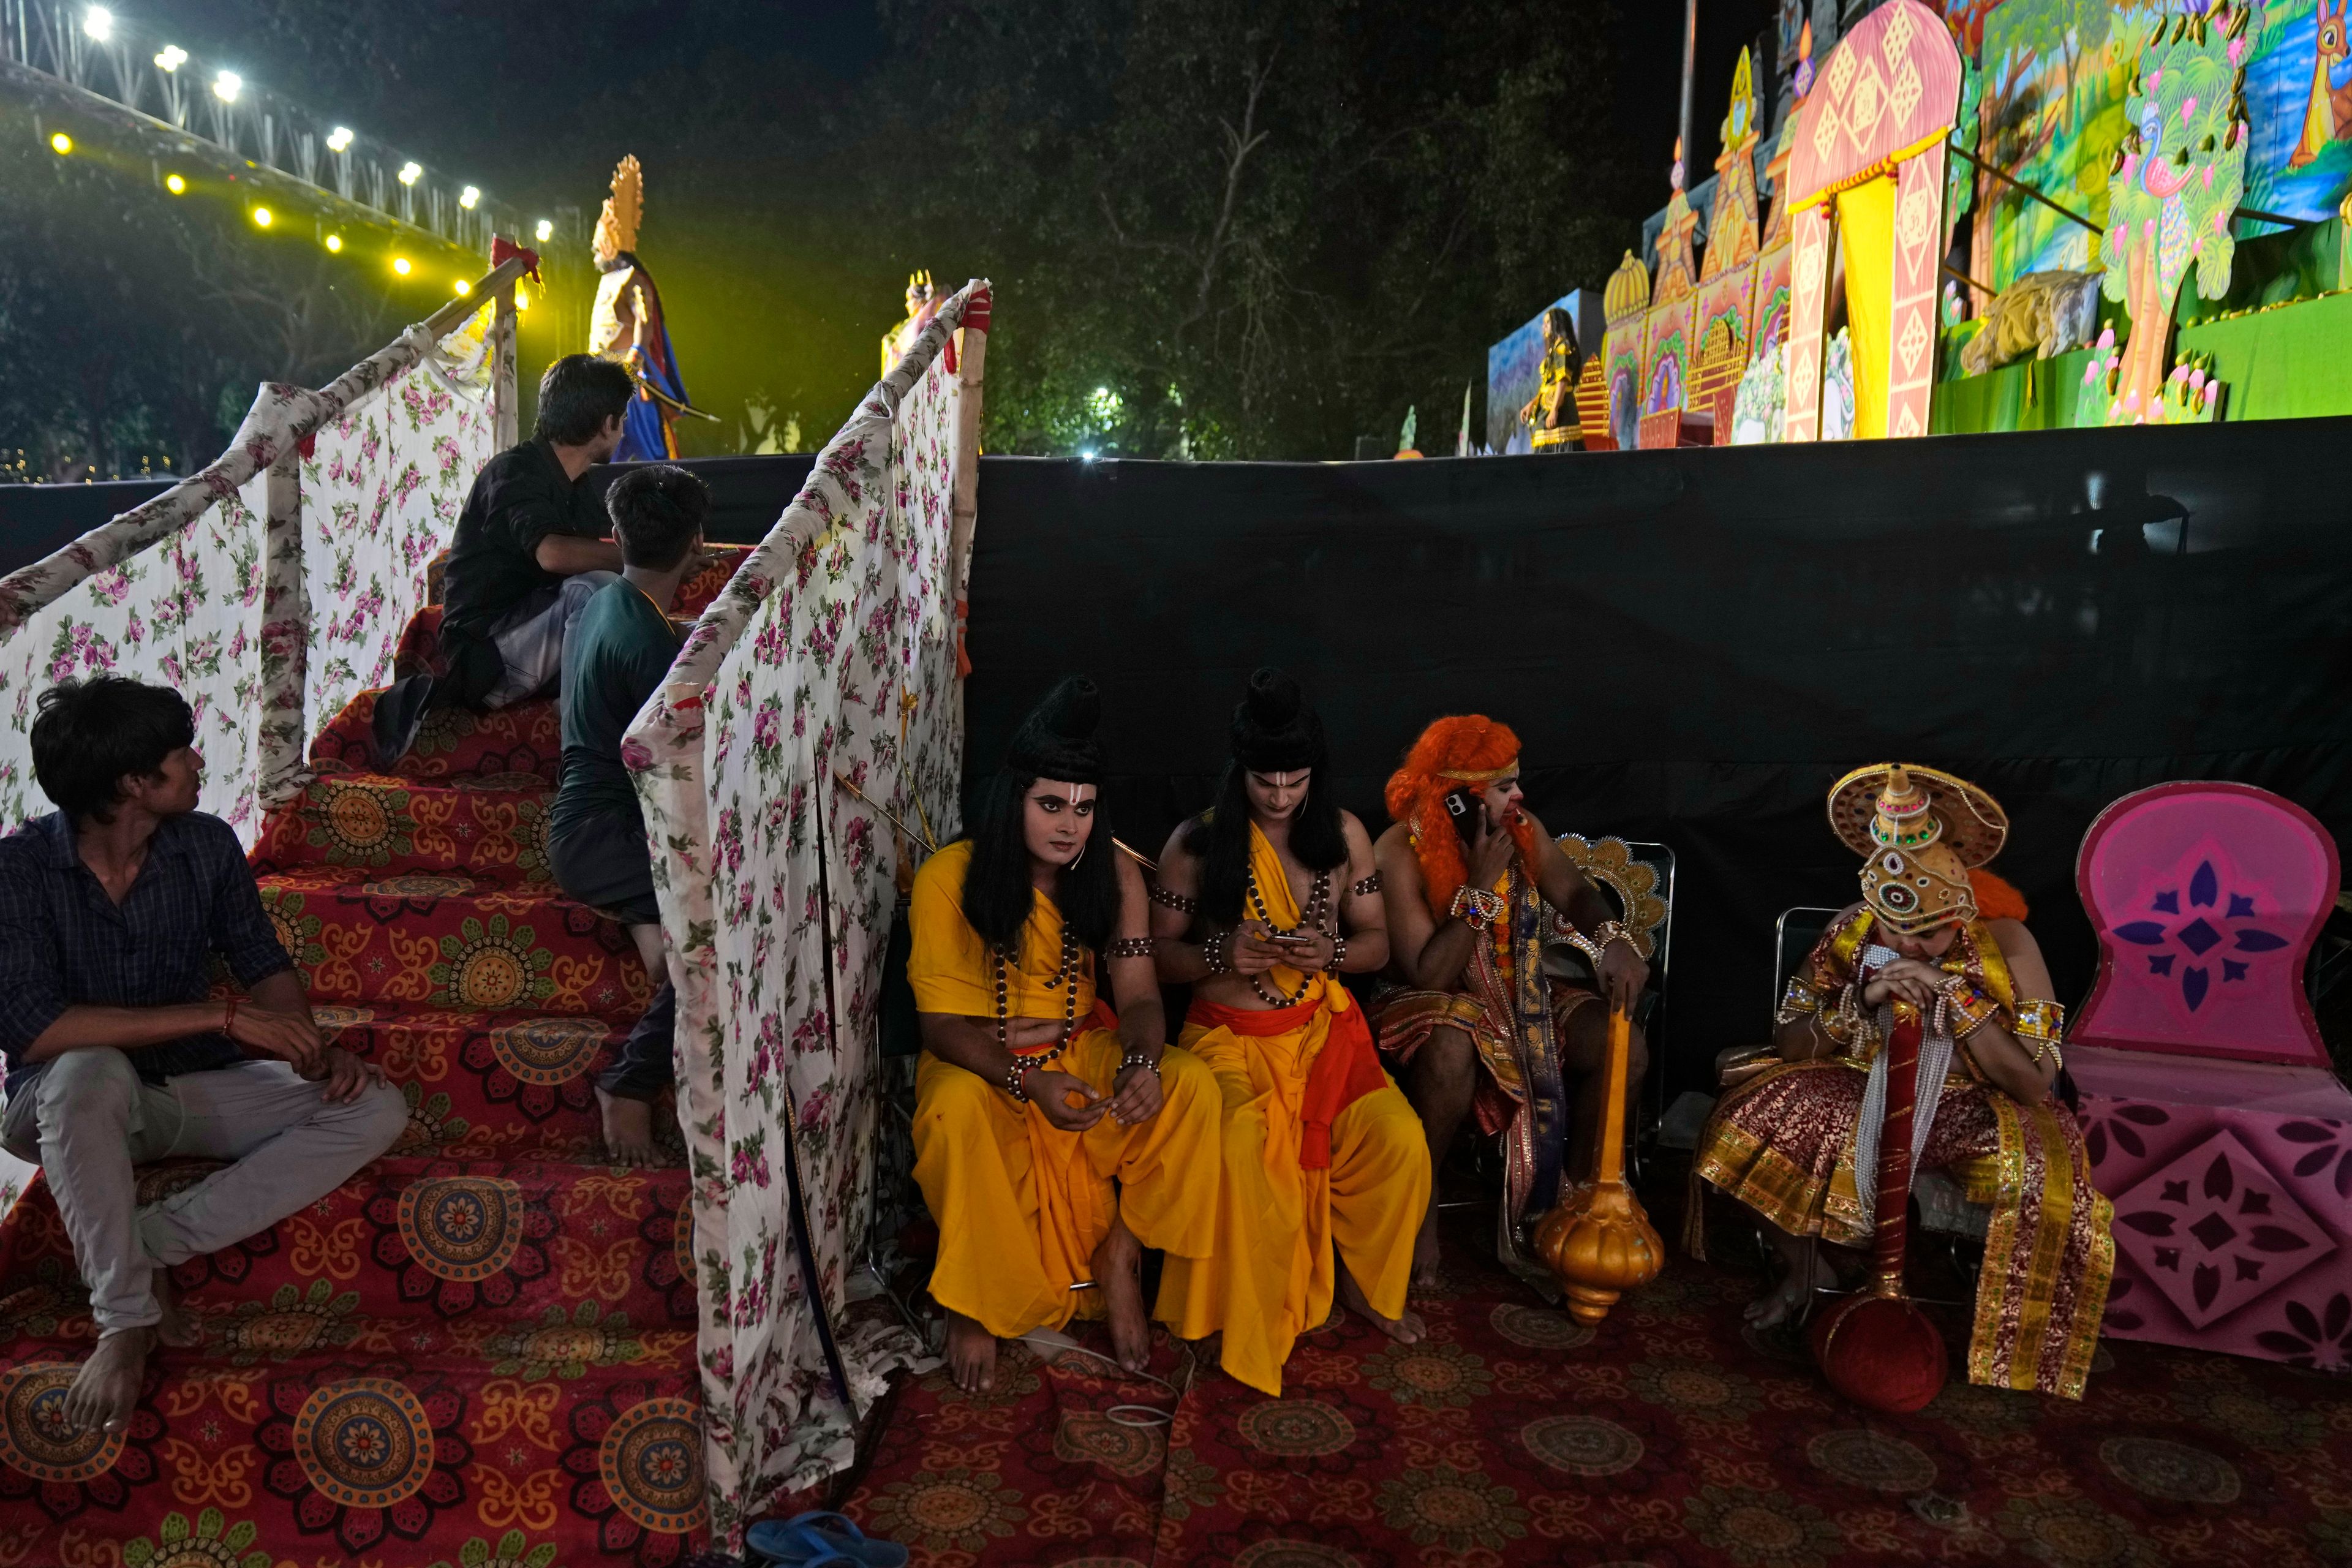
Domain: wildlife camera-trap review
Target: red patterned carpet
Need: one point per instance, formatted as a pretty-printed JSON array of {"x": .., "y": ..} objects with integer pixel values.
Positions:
[
  {"x": 479, "y": 1351},
  {"x": 1512, "y": 1435}
]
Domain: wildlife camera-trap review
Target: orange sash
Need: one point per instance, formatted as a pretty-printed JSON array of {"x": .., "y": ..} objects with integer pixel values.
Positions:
[{"x": 1343, "y": 1072}]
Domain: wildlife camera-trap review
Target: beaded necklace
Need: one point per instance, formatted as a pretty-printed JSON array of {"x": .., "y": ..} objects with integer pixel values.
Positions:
[
  {"x": 1317, "y": 899},
  {"x": 1066, "y": 975}
]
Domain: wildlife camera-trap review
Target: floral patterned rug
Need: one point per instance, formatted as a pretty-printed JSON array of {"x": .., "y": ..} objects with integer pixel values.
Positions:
[
  {"x": 1669, "y": 1437},
  {"x": 478, "y": 1353}
]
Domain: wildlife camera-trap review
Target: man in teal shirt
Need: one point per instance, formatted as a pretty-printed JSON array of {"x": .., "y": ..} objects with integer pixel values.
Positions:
[{"x": 614, "y": 655}]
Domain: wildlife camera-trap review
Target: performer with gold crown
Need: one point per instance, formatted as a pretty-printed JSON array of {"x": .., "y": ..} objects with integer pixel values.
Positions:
[
  {"x": 1936, "y": 947},
  {"x": 626, "y": 324},
  {"x": 1475, "y": 889},
  {"x": 1053, "y": 1138},
  {"x": 1266, "y": 899},
  {"x": 922, "y": 300}
]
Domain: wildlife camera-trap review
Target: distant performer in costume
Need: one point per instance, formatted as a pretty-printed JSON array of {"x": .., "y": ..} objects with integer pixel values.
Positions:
[
  {"x": 1550, "y": 414},
  {"x": 1474, "y": 888},
  {"x": 1265, "y": 901},
  {"x": 922, "y": 303},
  {"x": 1053, "y": 1138},
  {"x": 626, "y": 324},
  {"x": 1939, "y": 948}
]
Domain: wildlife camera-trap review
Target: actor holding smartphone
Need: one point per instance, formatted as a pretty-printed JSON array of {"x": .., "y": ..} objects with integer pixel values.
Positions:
[{"x": 1472, "y": 883}]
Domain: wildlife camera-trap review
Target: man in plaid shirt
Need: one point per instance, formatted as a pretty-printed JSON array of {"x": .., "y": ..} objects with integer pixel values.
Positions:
[{"x": 110, "y": 910}]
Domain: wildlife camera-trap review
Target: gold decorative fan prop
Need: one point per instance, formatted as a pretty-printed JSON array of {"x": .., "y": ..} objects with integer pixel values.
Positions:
[
  {"x": 1609, "y": 862},
  {"x": 623, "y": 211}
]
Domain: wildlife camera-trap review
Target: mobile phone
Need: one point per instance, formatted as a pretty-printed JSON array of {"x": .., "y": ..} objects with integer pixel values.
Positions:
[
  {"x": 1467, "y": 811},
  {"x": 1294, "y": 941}
]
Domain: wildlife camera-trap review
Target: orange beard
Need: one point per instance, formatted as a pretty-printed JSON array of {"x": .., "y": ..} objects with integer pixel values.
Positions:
[{"x": 1416, "y": 794}]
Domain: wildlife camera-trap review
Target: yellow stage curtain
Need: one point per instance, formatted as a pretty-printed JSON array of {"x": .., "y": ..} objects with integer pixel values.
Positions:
[{"x": 1866, "y": 240}]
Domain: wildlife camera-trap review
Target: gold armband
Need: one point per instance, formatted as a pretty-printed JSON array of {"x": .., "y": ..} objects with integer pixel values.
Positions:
[
  {"x": 2042, "y": 1028},
  {"x": 1800, "y": 1000}
]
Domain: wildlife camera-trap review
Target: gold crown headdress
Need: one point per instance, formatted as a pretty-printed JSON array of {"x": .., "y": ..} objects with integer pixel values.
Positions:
[
  {"x": 918, "y": 291},
  {"x": 1919, "y": 832},
  {"x": 624, "y": 209}
]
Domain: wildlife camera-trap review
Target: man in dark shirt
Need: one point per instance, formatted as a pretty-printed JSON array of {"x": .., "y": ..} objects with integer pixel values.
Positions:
[
  {"x": 616, "y": 655},
  {"x": 110, "y": 910},
  {"x": 529, "y": 551}
]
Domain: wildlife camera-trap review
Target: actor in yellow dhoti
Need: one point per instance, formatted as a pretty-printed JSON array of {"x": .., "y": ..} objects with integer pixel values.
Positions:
[
  {"x": 1939, "y": 948},
  {"x": 1326, "y": 1167},
  {"x": 1053, "y": 1138}
]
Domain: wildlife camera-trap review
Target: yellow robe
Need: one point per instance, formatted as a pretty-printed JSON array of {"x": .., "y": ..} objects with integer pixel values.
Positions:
[
  {"x": 1021, "y": 1204},
  {"x": 1271, "y": 1275}
]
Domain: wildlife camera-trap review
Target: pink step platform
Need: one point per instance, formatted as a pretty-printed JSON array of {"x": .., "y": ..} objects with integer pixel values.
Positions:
[{"x": 2210, "y": 1111}]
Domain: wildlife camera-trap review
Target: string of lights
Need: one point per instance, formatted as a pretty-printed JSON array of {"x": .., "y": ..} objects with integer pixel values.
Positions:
[{"x": 92, "y": 49}]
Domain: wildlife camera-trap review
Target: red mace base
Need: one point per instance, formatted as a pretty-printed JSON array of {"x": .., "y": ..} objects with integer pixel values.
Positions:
[{"x": 1881, "y": 1352}]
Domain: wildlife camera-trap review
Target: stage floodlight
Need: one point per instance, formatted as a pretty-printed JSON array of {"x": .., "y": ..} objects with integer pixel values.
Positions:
[
  {"x": 99, "y": 23},
  {"x": 334, "y": 242},
  {"x": 340, "y": 139},
  {"x": 261, "y": 217},
  {"x": 546, "y": 231},
  {"x": 226, "y": 86},
  {"x": 523, "y": 298},
  {"x": 172, "y": 59},
  {"x": 469, "y": 197},
  {"x": 410, "y": 173},
  {"x": 61, "y": 143},
  {"x": 400, "y": 264},
  {"x": 176, "y": 185},
  {"x": 463, "y": 287}
]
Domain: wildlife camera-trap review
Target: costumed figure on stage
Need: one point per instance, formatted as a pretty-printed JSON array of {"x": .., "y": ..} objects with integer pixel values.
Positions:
[
  {"x": 922, "y": 303},
  {"x": 1266, "y": 899},
  {"x": 626, "y": 324},
  {"x": 1938, "y": 948},
  {"x": 1053, "y": 1138},
  {"x": 1550, "y": 414},
  {"x": 1475, "y": 889}
]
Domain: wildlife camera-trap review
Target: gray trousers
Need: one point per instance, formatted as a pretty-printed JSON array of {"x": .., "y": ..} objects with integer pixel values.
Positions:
[
  {"x": 88, "y": 1119},
  {"x": 529, "y": 638}
]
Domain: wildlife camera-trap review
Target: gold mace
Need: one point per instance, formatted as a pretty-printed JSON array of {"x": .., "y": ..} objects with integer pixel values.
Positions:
[{"x": 1598, "y": 1242}]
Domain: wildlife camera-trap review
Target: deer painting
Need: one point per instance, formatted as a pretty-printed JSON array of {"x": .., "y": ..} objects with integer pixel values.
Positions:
[{"x": 2330, "y": 110}]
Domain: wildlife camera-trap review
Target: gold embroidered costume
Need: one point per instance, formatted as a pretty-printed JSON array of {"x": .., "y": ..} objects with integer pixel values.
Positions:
[{"x": 1788, "y": 1143}]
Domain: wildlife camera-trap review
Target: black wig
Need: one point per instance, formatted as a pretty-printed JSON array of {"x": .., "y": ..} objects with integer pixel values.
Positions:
[
  {"x": 1056, "y": 741},
  {"x": 1274, "y": 730}
]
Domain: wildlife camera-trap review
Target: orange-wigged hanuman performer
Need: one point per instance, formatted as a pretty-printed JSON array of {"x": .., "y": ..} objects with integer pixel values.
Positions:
[
  {"x": 1266, "y": 899},
  {"x": 1053, "y": 1138},
  {"x": 1475, "y": 889},
  {"x": 1938, "y": 948}
]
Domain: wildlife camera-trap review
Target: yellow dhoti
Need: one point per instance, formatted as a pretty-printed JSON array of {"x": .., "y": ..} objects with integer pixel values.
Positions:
[
  {"x": 1021, "y": 1204},
  {"x": 1291, "y": 1192}
]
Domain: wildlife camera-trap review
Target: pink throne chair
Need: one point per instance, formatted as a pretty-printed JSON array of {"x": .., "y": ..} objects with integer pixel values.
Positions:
[{"x": 2212, "y": 1117}]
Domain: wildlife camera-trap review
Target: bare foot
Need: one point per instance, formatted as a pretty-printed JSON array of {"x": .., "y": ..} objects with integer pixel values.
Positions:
[
  {"x": 1776, "y": 1306},
  {"x": 1407, "y": 1330},
  {"x": 628, "y": 1128},
  {"x": 1426, "y": 1280},
  {"x": 972, "y": 1354},
  {"x": 178, "y": 1328},
  {"x": 1118, "y": 1264},
  {"x": 106, "y": 1390}
]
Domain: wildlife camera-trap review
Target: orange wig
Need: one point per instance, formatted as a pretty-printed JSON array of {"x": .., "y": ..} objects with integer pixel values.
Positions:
[{"x": 1468, "y": 743}]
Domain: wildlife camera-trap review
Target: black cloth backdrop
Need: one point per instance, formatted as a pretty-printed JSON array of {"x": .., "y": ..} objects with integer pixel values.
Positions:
[{"x": 1693, "y": 645}]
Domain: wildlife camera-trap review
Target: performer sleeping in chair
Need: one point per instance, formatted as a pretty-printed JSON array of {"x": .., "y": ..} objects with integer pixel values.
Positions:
[
  {"x": 1053, "y": 1138},
  {"x": 1474, "y": 888},
  {"x": 1264, "y": 900},
  {"x": 1939, "y": 948}
]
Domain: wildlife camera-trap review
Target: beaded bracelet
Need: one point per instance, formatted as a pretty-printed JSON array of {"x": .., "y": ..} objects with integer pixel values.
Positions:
[
  {"x": 1476, "y": 907},
  {"x": 1138, "y": 1060},
  {"x": 1013, "y": 1074},
  {"x": 1217, "y": 953},
  {"x": 1338, "y": 951}
]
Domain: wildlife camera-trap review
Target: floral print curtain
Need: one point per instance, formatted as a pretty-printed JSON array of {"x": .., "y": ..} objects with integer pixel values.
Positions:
[
  {"x": 831, "y": 655},
  {"x": 266, "y": 589}
]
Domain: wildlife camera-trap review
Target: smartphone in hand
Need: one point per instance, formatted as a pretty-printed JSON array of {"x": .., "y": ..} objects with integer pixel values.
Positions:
[{"x": 1468, "y": 812}]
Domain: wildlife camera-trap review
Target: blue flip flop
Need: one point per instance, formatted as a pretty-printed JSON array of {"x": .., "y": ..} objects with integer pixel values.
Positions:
[{"x": 818, "y": 1540}]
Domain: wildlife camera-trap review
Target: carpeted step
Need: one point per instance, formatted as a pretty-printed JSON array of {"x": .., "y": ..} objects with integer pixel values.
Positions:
[
  {"x": 510, "y": 747},
  {"x": 489, "y": 1085},
  {"x": 493, "y": 829},
  {"x": 427, "y": 1238},
  {"x": 443, "y": 941},
  {"x": 306, "y": 1430}
]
